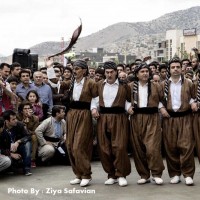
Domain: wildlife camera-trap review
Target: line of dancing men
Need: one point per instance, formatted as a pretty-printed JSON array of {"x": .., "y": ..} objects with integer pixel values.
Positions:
[{"x": 143, "y": 112}]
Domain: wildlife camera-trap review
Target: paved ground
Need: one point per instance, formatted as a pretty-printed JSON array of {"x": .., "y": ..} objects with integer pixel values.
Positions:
[{"x": 49, "y": 180}]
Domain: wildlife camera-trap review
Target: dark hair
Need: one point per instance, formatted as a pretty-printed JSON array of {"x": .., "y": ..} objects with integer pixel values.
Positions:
[
  {"x": 43, "y": 68},
  {"x": 174, "y": 60},
  {"x": 162, "y": 66},
  {"x": 12, "y": 79},
  {"x": 23, "y": 104},
  {"x": 23, "y": 71},
  {"x": 36, "y": 94},
  {"x": 120, "y": 65},
  {"x": 99, "y": 71},
  {"x": 69, "y": 69},
  {"x": 4, "y": 64},
  {"x": 15, "y": 64},
  {"x": 7, "y": 114},
  {"x": 153, "y": 64},
  {"x": 186, "y": 59},
  {"x": 1, "y": 122},
  {"x": 57, "y": 109}
]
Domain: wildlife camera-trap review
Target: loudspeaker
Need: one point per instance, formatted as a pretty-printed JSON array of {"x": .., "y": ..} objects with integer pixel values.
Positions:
[
  {"x": 34, "y": 58},
  {"x": 23, "y": 57}
]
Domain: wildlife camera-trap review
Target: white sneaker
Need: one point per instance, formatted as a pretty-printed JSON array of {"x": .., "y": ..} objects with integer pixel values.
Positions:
[
  {"x": 85, "y": 182},
  {"x": 143, "y": 181},
  {"x": 122, "y": 181},
  {"x": 75, "y": 181},
  {"x": 110, "y": 181},
  {"x": 175, "y": 180},
  {"x": 158, "y": 180},
  {"x": 189, "y": 181}
]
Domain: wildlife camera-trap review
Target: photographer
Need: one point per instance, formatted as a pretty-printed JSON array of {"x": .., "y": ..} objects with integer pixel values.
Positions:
[{"x": 31, "y": 122}]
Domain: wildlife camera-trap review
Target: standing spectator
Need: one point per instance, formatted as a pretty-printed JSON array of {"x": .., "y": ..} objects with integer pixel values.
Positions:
[
  {"x": 195, "y": 64},
  {"x": 122, "y": 77},
  {"x": 99, "y": 74},
  {"x": 120, "y": 68},
  {"x": 5, "y": 70},
  {"x": 67, "y": 74},
  {"x": 25, "y": 86},
  {"x": 45, "y": 78},
  {"x": 163, "y": 72},
  {"x": 15, "y": 70},
  {"x": 6, "y": 97},
  {"x": 44, "y": 92},
  {"x": 13, "y": 81},
  {"x": 91, "y": 72}
]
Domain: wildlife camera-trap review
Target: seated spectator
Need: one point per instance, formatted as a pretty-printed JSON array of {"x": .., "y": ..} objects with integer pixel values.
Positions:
[
  {"x": 5, "y": 161},
  {"x": 34, "y": 99},
  {"x": 51, "y": 134},
  {"x": 15, "y": 141},
  {"x": 31, "y": 122}
]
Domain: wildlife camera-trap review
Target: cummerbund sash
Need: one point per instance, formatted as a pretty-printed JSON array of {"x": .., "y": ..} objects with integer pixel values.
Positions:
[
  {"x": 179, "y": 114},
  {"x": 111, "y": 110},
  {"x": 82, "y": 105},
  {"x": 146, "y": 110}
]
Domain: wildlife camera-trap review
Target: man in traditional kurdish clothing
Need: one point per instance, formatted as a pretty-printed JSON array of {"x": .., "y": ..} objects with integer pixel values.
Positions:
[
  {"x": 146, "y": 126},
  {"x": 112, "y": 126},
  {"x": 177, "y": 124},
  {"x": 79, "y": 123}
]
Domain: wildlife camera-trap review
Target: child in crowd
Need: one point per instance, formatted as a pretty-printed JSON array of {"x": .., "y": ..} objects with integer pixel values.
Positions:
[{"x": 33, "y": 97}]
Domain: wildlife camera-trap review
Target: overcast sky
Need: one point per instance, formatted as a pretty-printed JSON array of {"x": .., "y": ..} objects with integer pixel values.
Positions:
[{"x": 24, "y": 23}]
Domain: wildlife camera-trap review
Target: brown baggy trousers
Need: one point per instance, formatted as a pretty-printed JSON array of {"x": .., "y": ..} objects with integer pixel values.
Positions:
[
  {"x": 146, "y": 140},
  {"x": 179, "y": 145},
  {"x": 79, "y": 142},
  {"x": 196, "y": 130},
  {"x": 113, "y": 134}
]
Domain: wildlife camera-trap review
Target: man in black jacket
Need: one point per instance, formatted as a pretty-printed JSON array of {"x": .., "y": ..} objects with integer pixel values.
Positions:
[{"x": 15, "y": 141}]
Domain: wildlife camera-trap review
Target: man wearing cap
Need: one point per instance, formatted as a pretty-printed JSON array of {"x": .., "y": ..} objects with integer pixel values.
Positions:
[
  {"x": 112, "y": 125},
  {"x": 145, "y": 126},
  {"x": 177, "y": 124},
  {"x": 79, "y": 123}
]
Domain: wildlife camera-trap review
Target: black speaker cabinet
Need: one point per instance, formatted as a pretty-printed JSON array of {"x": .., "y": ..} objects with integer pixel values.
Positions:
[{"x": 23, "y": 57}]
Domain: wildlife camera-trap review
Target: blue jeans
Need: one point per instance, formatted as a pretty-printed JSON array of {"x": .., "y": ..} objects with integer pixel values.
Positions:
[{"x": 25, "y": 151}]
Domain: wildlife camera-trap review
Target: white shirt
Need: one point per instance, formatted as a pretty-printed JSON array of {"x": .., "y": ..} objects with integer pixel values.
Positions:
[
  {"x": 142, "y": 95},
  {"x": 109, "y": 95},
  {"x": 78, "y": 89},
  {"x": 175, "y": 89},
  {"x": 110, "y": 92}
]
